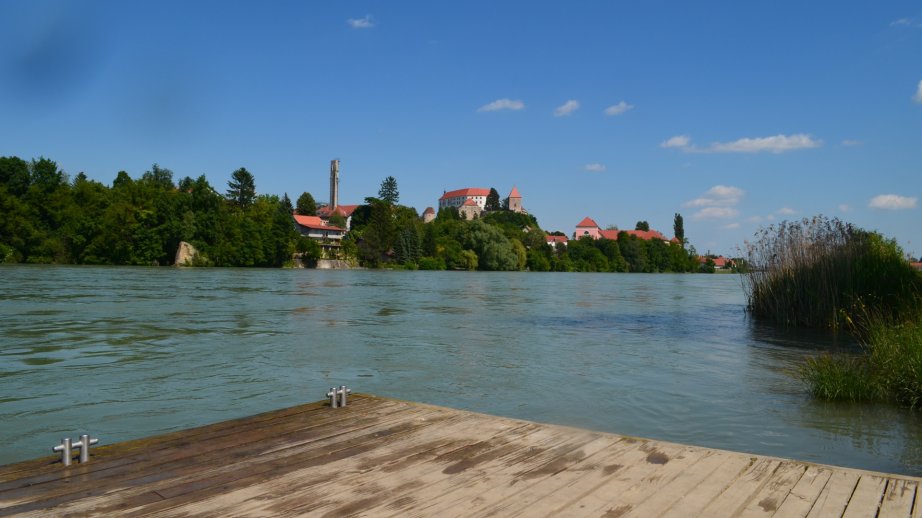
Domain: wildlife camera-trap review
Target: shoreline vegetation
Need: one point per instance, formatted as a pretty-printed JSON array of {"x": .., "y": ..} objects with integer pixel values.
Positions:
[
  {"x": 827, "y": 274},
  {"x": 49, "y": 218}
]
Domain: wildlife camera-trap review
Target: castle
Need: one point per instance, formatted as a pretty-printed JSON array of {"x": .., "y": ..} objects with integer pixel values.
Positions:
[{"x": 471, "y": 202}]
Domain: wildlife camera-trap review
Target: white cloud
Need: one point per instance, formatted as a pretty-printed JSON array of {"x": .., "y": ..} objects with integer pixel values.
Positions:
[
  {"x": 361, "y": 23},
  {"x": 774, "y": 144},
  {"x": 678, "y": 141},
  {"x": 851, "y": 143},
  {"x": 595, "y": 168},
  {"x": 731, "y": 226},
  {"x": 786, "y": 211},
  {"x": 566, "y": 108},
  {"x": 918, "y": 97},
  {"x": 716, "y": 213},
  {"x": 718, "y": 196},
  {"x": 618, "y": 109},
  {"x": 906, "y": 22},
  {"x": 892, "y": 202},
  {"x": 717, "y": 203},
  {"x": 844, "y": 207},
  {"x": 502, "y": 104}
]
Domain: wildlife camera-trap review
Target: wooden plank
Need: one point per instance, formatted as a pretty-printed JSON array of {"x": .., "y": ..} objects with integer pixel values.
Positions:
[
  {"x": 693, "y": 501},
  {"x": 803, "y": 496},
  {"x": 502, "y": 482},
  {"x": 767, "y": 500},
  {"x": 865, "y": 501},
  {"x": 689, "y": 481},
  {"x": 199, "y": 475},
  {"x": 898, "y": 498},
  {"x": 186, "y": 452},
  {"x": 620, "y": 492},
  {"x": 587, "y": 473},
  {"x": 131, "y": 452},
  {"x": 296, "y": 487},
  {"x": 834, "y": 497},
  {"x": 334, "y": 462},
  {"x": 732, "y": 501},
  {"x": 452, "y": 473}
]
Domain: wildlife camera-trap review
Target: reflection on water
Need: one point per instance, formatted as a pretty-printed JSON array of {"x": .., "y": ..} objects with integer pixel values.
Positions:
[{"x": 130, "y": 352}]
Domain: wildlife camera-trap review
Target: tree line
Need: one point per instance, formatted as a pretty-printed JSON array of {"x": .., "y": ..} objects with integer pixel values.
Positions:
[{"x": 47, "y": 217}]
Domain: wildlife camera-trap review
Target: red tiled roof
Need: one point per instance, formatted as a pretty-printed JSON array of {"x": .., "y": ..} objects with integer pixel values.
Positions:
[
  {"x": 314, "y": 222},
  {"x": 429, "y": 210},
  {"x": 587, "y": 222},
  {"x": 470, "y": 203},
  {"x": 916, "y": 264},
  {"x": 343, "y": 210},
  {"x": 646, "y": 235},
  {"x": 514, "y": 193},
  {"x": 470, "y": 191},
  {"x": 557, "y": 239}
]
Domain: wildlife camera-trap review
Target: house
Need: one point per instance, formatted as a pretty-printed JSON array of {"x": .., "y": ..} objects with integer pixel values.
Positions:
[
  {"x": 588, "y": 227},
  {"x": 428, "y": 215},
  {"x": 917, "y": 265},
  {"x": 326, "y": 212},
  {"x": 555, "y": 240},
  {"x": 315, "y": 228},
  {"x": 720, "y": 262}
]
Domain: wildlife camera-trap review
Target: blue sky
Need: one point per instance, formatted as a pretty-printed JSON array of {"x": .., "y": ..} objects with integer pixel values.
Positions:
[{"x": 735, "y": 114}]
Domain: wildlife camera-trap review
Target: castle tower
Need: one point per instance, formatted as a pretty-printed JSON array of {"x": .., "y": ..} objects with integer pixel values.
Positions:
[
  {"x": 515, "y": 200},
  {"x": 334, "y": 184}
]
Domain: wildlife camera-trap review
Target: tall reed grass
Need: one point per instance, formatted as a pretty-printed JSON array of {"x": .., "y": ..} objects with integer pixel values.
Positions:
[{"x": 825, "y": 273}]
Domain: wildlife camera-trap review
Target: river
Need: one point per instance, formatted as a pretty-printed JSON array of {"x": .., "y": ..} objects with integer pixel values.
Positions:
[{"x": 123, "y": 353}]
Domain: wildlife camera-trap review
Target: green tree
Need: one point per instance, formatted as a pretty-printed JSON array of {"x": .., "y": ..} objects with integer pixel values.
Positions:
[
  {"x": 241, "y": 188},
  {"x": 14, "y": 174},
  {"x": 286, "y": 202},
  {"x": 306, "y": 206},
  {"x": 678, "y": 228},
  {"x": 642, "y": 225},
  {"x": 388, "y": 192},
  {"x": 337, "y": 220},
  {"x": 492, "y": 203}
]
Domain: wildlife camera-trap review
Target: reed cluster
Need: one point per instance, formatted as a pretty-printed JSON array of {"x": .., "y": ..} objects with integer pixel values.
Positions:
[{"x": 824, "y": 273}]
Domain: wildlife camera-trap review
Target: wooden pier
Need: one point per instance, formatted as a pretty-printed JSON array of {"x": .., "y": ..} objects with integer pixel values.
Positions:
[{"x": 382, "y": 457}]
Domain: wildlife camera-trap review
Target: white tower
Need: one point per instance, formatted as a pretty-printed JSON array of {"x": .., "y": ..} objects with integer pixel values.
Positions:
[{"x": 334, "y": 184}]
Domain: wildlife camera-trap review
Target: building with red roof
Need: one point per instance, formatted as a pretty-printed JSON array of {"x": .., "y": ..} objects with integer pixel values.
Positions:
[
  {"x": 316, "y": 228},
  {"x": 458, "y": 197},
  {"x": 589, "y": 228},
  {"x": 326, "y": 212},
  {"x": 428, "y": 214},
  {"x": 555, "y": 240}
]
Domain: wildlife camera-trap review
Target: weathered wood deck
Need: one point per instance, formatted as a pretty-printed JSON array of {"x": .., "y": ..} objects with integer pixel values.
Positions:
[{"x": 381, "y": 457}]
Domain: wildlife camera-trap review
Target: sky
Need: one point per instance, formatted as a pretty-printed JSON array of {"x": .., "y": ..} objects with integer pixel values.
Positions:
[{"x": 737, "y": 115}]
